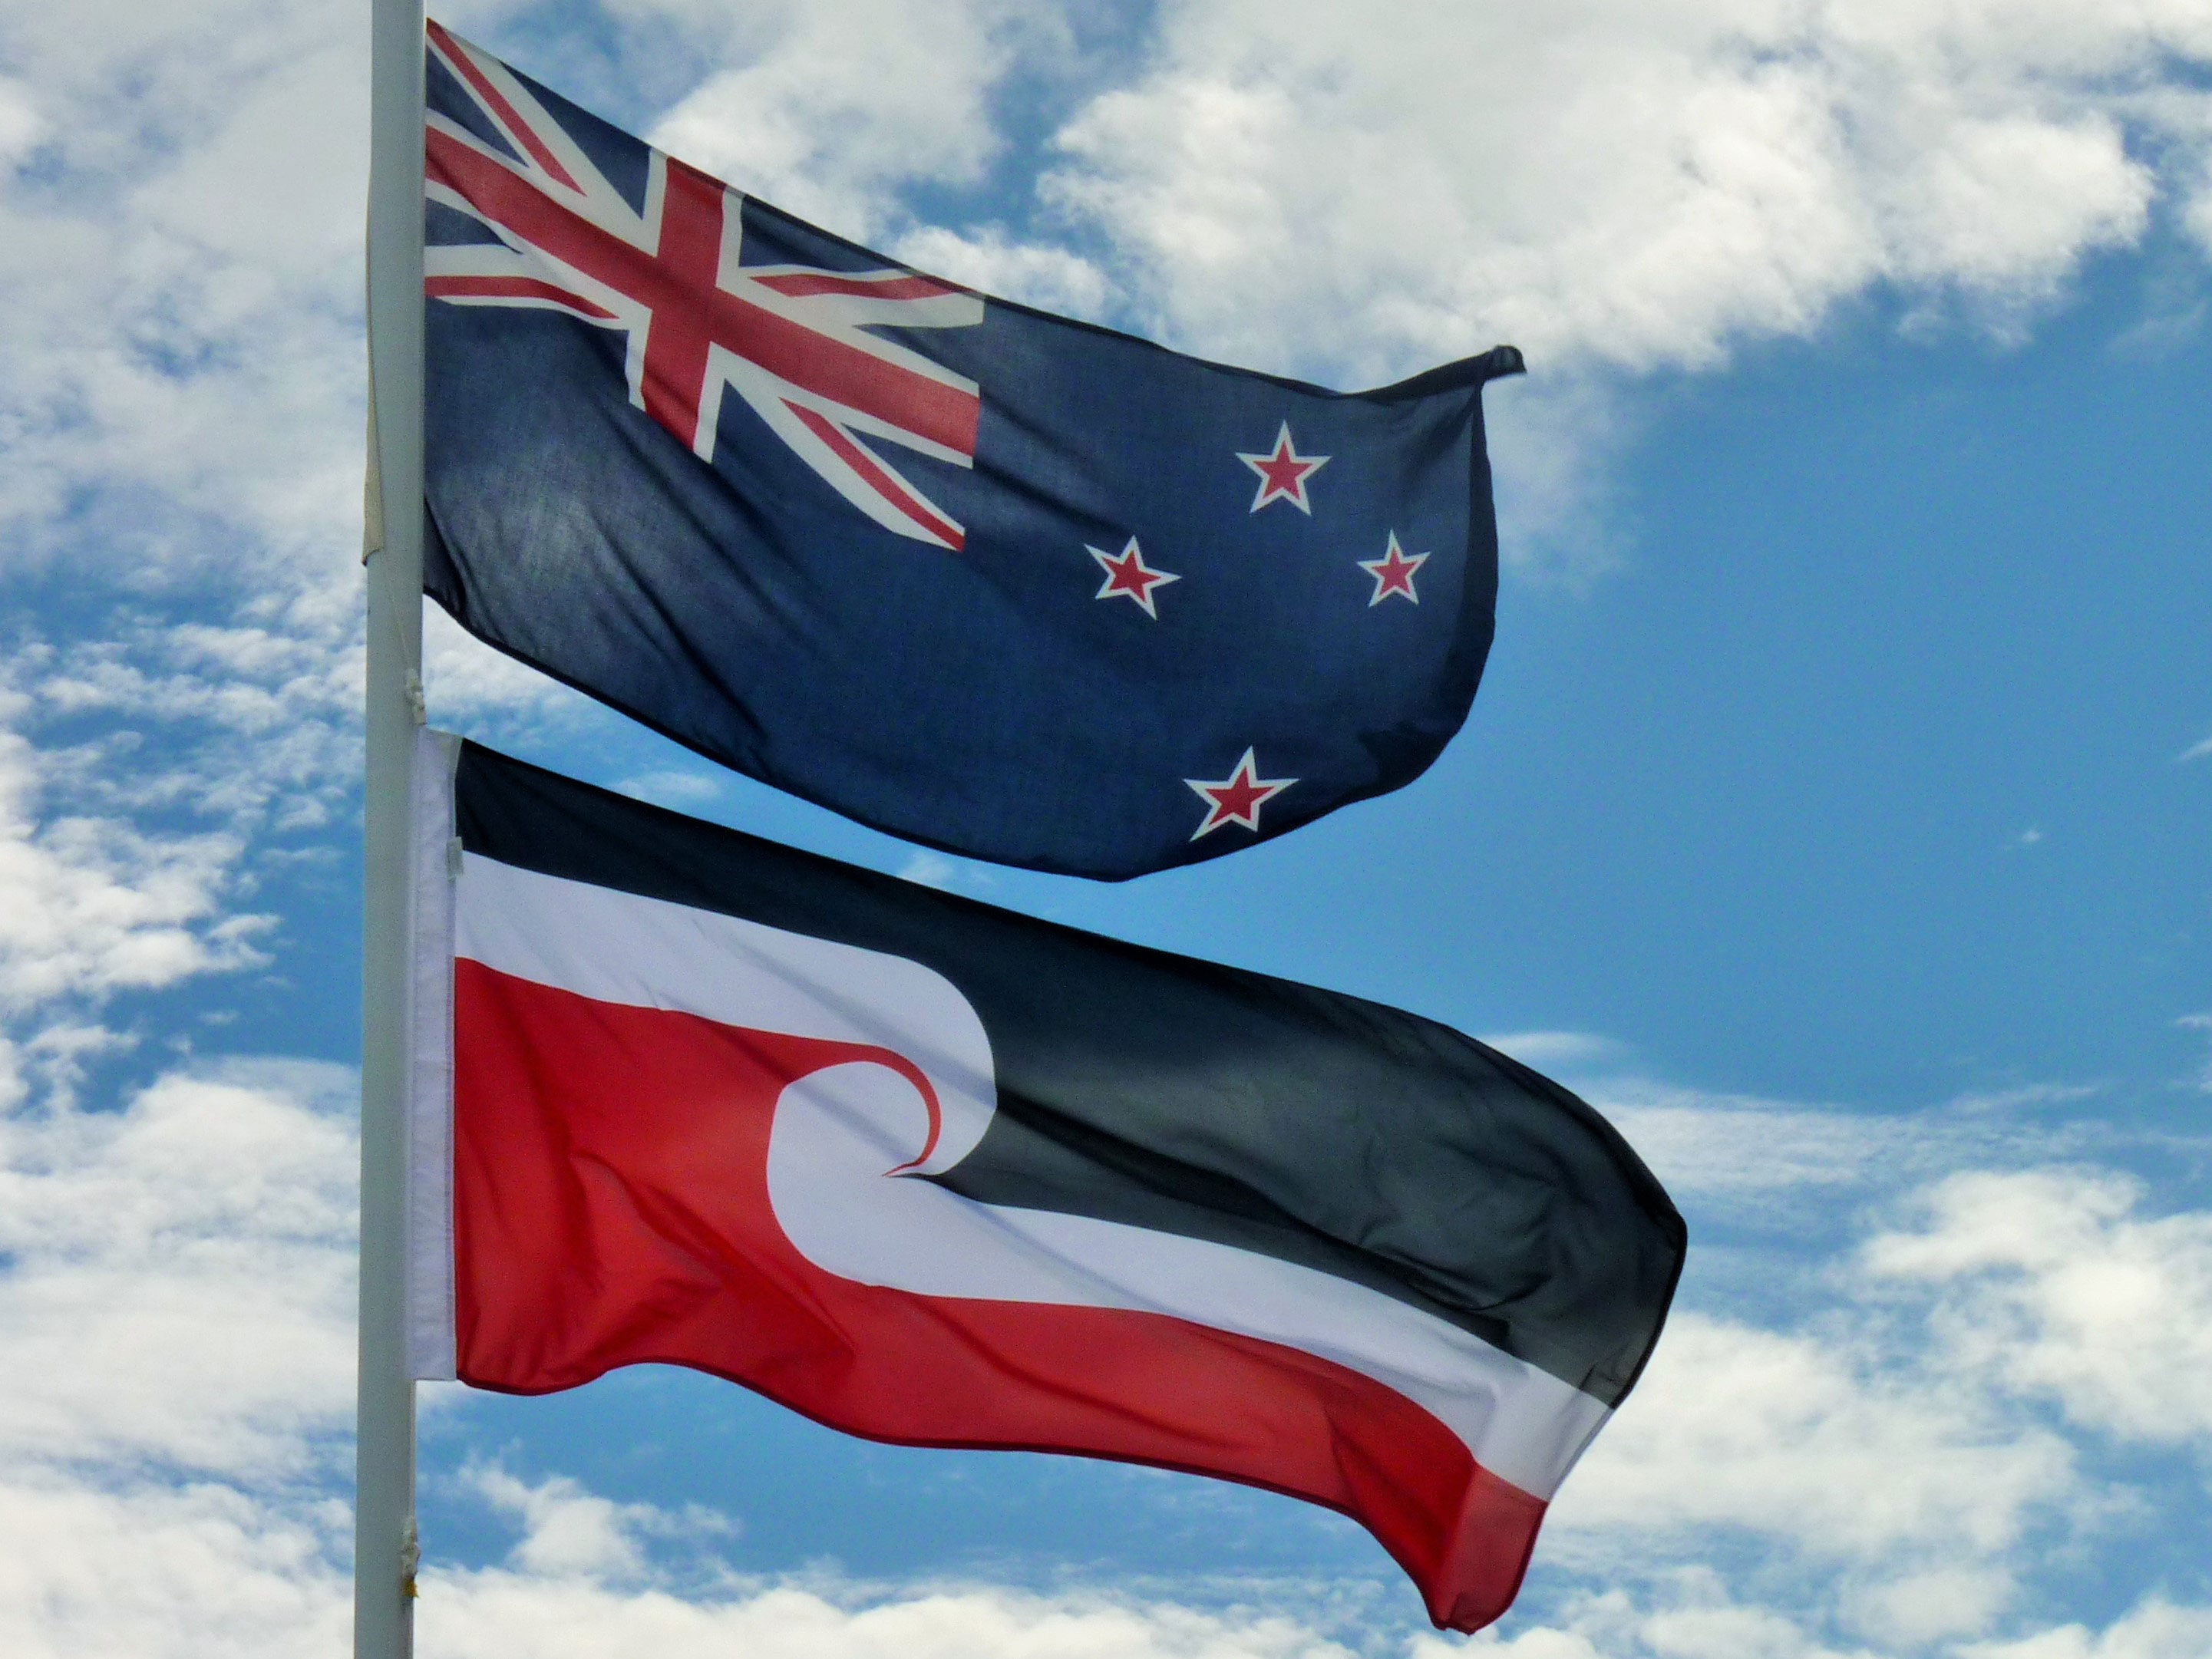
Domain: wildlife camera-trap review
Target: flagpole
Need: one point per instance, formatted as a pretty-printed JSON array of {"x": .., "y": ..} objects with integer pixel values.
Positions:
[{"x": 384, "y": 1503}]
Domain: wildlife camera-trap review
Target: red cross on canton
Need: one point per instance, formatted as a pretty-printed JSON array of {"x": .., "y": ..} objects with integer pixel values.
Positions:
[{"x": 791, "y": 340}]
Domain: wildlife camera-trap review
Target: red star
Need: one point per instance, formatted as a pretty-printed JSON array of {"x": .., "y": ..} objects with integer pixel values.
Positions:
[
  {"x": 1129, "y": 577},
  {"x": 1282, "y": 475},
  {"x": 1237, "y": 797},
  {"x": 1392, "y": 573}
]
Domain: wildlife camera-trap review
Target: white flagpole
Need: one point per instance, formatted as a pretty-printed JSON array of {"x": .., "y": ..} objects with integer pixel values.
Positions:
[{"x": 384, "y": 1504}]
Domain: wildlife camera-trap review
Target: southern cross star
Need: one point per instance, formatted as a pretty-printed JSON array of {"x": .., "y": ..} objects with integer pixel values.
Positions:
[
  {"x": 1392, "y": 573},
  {"x": 1237, "y": 797},
  {"x": 1282, "y": 475},
  {"x": 1128, "y": 577}
]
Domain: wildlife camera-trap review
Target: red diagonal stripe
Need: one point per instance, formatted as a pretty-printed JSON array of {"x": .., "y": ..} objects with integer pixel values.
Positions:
[
  {"x": 799, "y": 283},
  {"x": 510, "y": 288},
  {"x": 461, "y": 62},
  {"x": 878, "y": 478}
]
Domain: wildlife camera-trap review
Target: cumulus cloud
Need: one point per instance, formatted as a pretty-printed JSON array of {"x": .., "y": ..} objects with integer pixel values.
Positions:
[
  {"x": 179, "y": 1288},
  {"x": 1629, "y": 185},
  {"x": 497, "y": 1613},
  {"x": 831, "y": 110},
  {"x": 1776, "y": 1433},
  {"x": 567, "y": 1530},
  {"x": 1747, "y": 1159},
  {"x": 90, "y": 905},
  {"x": 2155, "y": 1630},
  {"x": 1051, "y": 278},
  {"x": 2056, "y": 1283},
  {"x": 183, "y": 316},
  {"x": 177, "y": 1304}
]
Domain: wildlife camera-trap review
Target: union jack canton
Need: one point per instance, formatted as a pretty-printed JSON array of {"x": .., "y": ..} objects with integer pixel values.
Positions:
[{"x": 1006, "y": 584}]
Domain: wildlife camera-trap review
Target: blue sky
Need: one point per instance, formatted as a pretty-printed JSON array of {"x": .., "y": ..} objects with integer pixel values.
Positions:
[{"x": 1832, "y": 814}]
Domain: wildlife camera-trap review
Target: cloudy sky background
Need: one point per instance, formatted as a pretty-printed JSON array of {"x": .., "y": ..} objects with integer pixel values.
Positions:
[{"x": 1834, "y": 815}]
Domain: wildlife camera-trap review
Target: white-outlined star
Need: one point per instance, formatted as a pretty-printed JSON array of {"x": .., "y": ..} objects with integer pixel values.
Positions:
[
  {"x": 1283, "y": 474},
  {"x": 1128, "y": 577},
  {"x": 1237, "y": 797},
  {"x": 1392, "y": 573}
]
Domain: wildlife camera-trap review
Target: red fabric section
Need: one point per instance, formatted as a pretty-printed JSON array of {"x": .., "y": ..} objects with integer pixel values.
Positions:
[
  {"x": 511, "y": 287},
  {"x": 611, "y": 1208}
]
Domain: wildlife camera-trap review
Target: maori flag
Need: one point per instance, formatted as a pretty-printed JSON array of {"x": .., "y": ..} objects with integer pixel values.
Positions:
[
  {"x": 939, "y": 1173},
  {"x": 1016, "y": 587}
]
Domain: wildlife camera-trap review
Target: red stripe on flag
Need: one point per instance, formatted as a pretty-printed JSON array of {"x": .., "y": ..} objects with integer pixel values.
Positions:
[
  {"x": 877, "y": 476},
  {"x": 513, "y": 288},
  {"x": 611, "y": 1208},
  {"x": 464, "y": 66},
  {"x": 799, "y": 283}
]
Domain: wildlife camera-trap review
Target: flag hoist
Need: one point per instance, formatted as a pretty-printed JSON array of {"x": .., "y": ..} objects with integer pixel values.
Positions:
[{"x": 384, "y": 1517}]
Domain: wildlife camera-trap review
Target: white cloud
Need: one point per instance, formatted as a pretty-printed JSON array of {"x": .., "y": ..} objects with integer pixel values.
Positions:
[
  {"x": 89, "y": 905},
  {"x": 482, "y": 1616},
  {"x": 148, "y": 1571},
  {"x": 1835, "y": 1447},
  {"x": 1614, "y": 184},
  {"x": 20, "y": 128},
  {"x": 1560, "y": 1051},
  {"x": 179, "y": 1282},
  {"x": 1705, "y": 1147},
  {"x": 182, "y": 322},
  {"x": 1051, "y": 278},
  {"x": 682, "y": 790},
  {"x": 2021, "y": 1096},
  {"x": 567, "y": 1530},
  {"x": 1747, "y": 1159},
  {"x": 467, "y": 678},
  {"x": 832, "y": 109},
  {"x": 2052, "y": 1282},
  {"x": 176, "y": 1305},
  {"x": 1691, "y": 1615},
  {"x": 2199, "y": 1023},
  {"x": 929, "y": 869},
  {"x": 2154, "y": 1629}
]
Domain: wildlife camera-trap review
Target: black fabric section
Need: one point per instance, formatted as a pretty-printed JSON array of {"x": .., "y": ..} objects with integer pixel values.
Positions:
[{"x": 1192, "y": 1098}]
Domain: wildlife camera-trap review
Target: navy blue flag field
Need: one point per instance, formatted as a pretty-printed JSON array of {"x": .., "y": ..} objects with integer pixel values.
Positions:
[
  {"x": 1008, "y": 584},
  {"x": 941, "y": 1174}
]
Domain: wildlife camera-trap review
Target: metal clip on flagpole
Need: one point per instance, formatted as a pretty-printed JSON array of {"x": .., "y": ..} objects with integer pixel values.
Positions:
[{"x": 384, "y": 1509}]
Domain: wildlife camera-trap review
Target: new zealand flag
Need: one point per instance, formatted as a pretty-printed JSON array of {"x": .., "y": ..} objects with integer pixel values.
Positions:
[{"x": 1008, "y": 585}]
